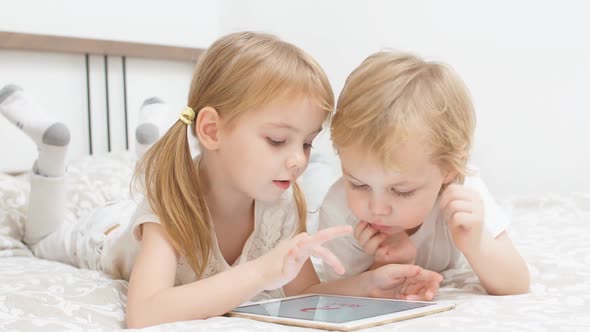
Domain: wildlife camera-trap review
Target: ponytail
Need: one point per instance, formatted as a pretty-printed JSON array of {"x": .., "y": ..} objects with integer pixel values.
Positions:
[
  {"x": 175, "y": 194},
  {"x": 301, "y": 207}
]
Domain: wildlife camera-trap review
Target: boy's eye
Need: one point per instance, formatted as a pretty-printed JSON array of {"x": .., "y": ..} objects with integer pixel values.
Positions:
[
  {"x": 403, "y": 193},
  {"x": 274, "y": 142},
  {"x": 307, "y": 146},
  {"x": 359, "y": 186}
]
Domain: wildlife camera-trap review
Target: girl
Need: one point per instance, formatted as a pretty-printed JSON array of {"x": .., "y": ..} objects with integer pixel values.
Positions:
[
  {"x": 225, "y": 227},
  {"x": 403, "y": 131}
]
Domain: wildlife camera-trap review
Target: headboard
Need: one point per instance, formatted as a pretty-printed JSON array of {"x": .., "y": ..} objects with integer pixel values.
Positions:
[{"x": 95, "y": 86}]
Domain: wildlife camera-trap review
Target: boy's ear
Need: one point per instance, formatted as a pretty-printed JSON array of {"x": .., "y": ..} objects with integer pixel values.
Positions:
[
  {"x": 207, "y": 126},
  {"x": 450, "y": 176}
]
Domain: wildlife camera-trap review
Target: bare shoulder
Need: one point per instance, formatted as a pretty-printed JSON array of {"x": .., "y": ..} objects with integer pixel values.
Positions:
[
  {"x": 155, "y": 265},
  {"x": 156, "y": 246}
]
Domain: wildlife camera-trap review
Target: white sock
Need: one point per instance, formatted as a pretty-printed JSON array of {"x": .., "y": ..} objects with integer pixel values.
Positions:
[
  {"x": 153, "y": 122},
  {"x": 52, "y": 138}
]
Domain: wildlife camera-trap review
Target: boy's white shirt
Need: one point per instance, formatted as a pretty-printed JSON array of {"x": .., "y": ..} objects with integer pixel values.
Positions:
[{"x": 434, "y": 244}]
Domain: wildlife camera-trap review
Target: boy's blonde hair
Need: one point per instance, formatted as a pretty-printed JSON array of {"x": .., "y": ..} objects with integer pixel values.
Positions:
[
  {"x": 392, "y": 97},
  {"x": 238, "y": 73}
]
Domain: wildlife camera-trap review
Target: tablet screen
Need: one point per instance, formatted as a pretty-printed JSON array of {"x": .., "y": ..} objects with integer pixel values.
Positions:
[{"x": 331, "y": 309}]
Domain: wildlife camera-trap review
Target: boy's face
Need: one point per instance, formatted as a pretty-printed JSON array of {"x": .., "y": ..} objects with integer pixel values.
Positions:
[{"x": 390, "y": 200}]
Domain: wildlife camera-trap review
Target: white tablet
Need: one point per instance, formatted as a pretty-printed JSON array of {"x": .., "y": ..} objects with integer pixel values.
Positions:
[{"x": 341, "y": 313}]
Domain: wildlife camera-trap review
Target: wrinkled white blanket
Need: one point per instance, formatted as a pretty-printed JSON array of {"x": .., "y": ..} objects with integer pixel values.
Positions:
[{"x": 551, "y": 232}]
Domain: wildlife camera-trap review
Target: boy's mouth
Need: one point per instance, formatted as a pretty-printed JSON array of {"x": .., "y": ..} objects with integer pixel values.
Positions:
[
  {"x": 283, "y": 184},
  {"x": 390, "y": 230},
  {"x": 381, "y": 228}
]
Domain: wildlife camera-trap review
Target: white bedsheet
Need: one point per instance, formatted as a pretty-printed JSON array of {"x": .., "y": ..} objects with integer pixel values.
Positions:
[{"x": 551, "y": 232}]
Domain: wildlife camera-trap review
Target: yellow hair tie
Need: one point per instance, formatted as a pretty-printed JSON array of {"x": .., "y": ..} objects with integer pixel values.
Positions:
[{"x": 187, "y": 116}]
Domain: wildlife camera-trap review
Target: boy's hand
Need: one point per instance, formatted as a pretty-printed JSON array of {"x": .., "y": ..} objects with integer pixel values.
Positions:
[
  {"x": 368, "y": 237},
  {"x": 282, "y": 264},
  {"x": 386, "y": 249},
  {"x": 403, "y": 282},
  {"x": 463, "y": 210},
  {"x": 396, "y": 249}
]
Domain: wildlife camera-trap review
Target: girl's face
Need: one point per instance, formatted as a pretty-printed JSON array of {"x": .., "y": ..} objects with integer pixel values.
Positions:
[
  {"x": 392, "y": 201},
  {"x": 268, "y": 148}
]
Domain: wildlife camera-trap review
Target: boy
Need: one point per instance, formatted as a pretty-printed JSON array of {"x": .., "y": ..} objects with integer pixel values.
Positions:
[{"x": 403, "y": 130}]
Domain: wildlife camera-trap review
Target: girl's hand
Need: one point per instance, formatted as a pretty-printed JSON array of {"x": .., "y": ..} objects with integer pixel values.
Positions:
[
  {"x": 282, "y": 264},
  {"x": 463, "y": 210},
  {"x": 402, "y": 282},
  {"x": 386, "y": 249}
]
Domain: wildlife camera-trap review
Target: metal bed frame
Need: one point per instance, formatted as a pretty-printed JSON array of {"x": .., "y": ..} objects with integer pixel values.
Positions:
[{"x": 86, "y": 46}]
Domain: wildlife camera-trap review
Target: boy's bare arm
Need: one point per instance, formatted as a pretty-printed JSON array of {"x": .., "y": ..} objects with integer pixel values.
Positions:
[
  {"x": 394, "y": 281},
  {"x": 496, "y": 262},
  {"x": 499, "y": 266}
]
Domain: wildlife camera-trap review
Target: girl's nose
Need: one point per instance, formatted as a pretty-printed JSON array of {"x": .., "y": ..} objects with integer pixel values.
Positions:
[{"x": 297, "y": 162}]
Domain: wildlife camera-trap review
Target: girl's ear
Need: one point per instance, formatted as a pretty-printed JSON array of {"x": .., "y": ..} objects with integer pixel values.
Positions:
[{"x": 207, "y": 125}]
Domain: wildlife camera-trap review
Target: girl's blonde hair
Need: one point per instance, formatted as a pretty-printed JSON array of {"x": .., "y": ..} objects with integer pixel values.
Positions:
[
  {"x": 238, "y": 73},
  {"x": 391, "y": 97}
]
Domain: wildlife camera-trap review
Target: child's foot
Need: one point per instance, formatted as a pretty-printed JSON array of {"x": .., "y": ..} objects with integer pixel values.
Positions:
[
  {"x": 52, "y": 138},
  {"x": 152, "y": 124}
]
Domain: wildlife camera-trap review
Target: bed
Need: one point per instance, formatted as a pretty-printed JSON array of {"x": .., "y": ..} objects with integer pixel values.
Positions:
[
  {"x": 35, "y": 294},
  {"x": 40, "y": 295}
]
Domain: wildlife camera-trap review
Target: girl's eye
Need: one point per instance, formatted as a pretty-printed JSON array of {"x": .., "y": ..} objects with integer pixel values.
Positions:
[
  {"x": 307, "y": 146},
  {"x": 273, "y": 142},
  {"x": 403, "y": 194}
]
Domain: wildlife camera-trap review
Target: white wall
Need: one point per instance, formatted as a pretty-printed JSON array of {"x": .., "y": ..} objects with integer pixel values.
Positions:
[
  {"x": 191, "y": 23},
  {"x": 527, "y": 64}
]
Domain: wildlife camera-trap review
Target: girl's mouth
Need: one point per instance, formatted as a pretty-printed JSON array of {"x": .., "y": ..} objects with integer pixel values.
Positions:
[{"x": 283, "y": 184}]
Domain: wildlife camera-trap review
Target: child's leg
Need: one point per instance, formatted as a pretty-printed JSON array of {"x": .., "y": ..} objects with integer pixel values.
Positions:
[
  {"x": 52, "y": 138},
  {"x": 82, "y": 243},
  {"x": 152, "y": 124},
  {"x": 47, "y": 197}
]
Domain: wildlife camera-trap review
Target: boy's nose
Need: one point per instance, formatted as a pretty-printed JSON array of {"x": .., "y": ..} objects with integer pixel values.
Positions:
[{"x": 379, "y": 207}]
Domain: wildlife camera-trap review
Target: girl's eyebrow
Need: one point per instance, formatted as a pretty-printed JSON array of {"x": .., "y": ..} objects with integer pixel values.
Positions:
[{"x": 290, "y": 127}]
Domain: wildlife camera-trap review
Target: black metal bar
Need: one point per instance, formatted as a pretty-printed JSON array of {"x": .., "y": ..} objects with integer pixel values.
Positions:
[
  {"x": 125, "y": 102},
  {"x": 106, "y": 80},
  {"x": 88, "y": 104}
]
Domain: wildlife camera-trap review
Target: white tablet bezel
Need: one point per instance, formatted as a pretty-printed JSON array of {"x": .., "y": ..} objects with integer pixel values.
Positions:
[{"x": 351, "y": 325}]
